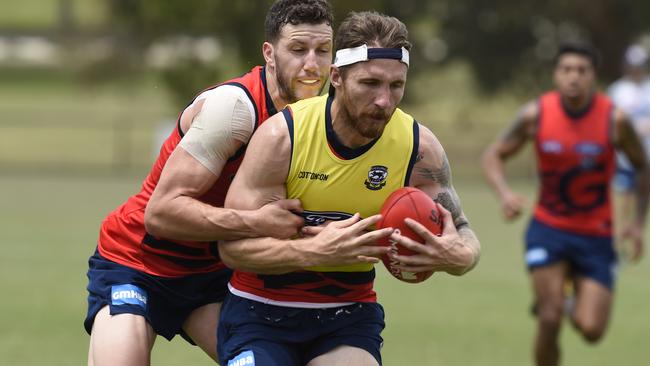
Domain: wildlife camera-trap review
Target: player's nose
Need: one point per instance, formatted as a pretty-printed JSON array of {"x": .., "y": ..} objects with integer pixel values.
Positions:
[
  {"x": 382, "y": 98},
  {"x": 311, "y": 61}
]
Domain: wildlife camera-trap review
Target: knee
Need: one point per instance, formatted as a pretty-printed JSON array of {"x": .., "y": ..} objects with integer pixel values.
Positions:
[
  {"x": 591, "y": 332},
  {"x": 549, "y": 316}
]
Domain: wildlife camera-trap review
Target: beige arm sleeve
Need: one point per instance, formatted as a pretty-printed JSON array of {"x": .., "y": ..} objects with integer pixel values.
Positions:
[{"x": 227, "y": 116}]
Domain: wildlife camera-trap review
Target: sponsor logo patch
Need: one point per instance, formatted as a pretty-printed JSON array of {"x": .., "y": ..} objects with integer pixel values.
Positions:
[
  {"x": 315, "y": 218},
  {"x": 551, "y": 146},
  {"x": 536, "y": 256},
  {"x": 376, "y": 177},
  {"x": 128, "y": 294},
  {"x": 589, "y": 152},
  {"x": 246, "y": 358},
  {"x": 313, "y": 176},
  {"x": 589, "y": 148}
]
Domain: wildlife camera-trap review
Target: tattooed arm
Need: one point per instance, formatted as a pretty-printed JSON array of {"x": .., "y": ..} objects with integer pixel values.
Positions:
[
  {"x": 457, "y": 250},
  {"x": 509, "y": 143},
  {"x": 627, "y": 140}
]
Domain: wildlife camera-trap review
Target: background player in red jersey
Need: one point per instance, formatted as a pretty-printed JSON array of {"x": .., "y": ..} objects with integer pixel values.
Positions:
[
  {"x": 575, "y": 130},
  {"x": 156, "y": 270}
]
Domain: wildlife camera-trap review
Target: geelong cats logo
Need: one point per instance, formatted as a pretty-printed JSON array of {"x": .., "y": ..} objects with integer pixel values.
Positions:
[{"x": 376, "y": 177}]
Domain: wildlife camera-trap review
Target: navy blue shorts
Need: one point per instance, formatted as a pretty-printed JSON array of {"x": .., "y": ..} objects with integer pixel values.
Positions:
[
  {"x": 164, "y": 302},
  {"x": 590, "y": 256},
  {"x": 252, "y": 333}
]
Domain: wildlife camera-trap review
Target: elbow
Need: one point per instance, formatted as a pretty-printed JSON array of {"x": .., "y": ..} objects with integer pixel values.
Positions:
[
  {"x": 153, "y": 222},
  {"x": 226, "y": 255}
]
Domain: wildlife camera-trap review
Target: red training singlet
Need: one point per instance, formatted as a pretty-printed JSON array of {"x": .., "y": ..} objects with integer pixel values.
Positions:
[
  {"x": 575, "y": 160},
  {"x": 123, "y": 238}
]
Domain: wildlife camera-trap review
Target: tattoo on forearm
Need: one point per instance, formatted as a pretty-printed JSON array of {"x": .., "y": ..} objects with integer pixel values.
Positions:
[
  {"x": 448, "y": 201},
  {"x": 441, "y": 176},
  {"x": 518, "y": 129}
]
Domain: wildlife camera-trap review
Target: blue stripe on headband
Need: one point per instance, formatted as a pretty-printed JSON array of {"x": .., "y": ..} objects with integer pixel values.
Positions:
[{"x": 390, "y": 53}]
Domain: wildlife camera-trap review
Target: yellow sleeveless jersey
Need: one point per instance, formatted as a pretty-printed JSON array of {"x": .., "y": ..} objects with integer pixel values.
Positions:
[{"x": 334, "y": 182}]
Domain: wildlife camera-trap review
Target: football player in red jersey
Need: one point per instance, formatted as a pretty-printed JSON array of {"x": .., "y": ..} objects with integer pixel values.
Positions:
[
  {"x": 575, "y": 130},
  {"x": 156, "y": 270}
]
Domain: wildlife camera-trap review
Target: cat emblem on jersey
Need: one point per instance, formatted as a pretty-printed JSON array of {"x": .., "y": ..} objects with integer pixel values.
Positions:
[{"x": 376, "y": 177}]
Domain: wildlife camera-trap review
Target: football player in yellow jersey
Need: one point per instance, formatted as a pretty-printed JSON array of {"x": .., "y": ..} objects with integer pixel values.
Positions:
[{"x": 297, "y": 314}]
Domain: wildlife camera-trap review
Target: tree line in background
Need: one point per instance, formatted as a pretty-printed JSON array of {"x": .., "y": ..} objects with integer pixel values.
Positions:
[{"x": 505, "y": 42}]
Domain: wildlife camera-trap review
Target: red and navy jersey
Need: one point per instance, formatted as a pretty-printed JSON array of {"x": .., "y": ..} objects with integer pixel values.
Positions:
[
  {"x": 575, "y": 159},
  {"x": 123, "y": 238}
]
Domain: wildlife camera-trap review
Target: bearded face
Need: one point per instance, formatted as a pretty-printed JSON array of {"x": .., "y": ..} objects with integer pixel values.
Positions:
[
  {"x": 369, "y": 94},
  {"x": 300, "y": 60},
  {"x": 368, "y": 122},
  {"x": 284, "y": 83}
]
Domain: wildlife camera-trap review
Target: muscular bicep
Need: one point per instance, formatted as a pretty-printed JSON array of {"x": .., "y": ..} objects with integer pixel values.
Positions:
[
  {"x": 215, "y": 124},
  {"x": 182, "y": 182},
  {"x": 518, "y": 133},
  {"x": 262, "y": 175},
  {"x": 183, "y": 175},
  {"x": 432, "y": 174}
]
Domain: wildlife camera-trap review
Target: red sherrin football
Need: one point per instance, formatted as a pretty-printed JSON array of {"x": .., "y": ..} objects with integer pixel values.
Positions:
[{"x": 408, "y": 202}]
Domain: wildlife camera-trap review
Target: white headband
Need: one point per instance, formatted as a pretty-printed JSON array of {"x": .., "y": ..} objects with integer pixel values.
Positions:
[{"x": 349, "y": 56}]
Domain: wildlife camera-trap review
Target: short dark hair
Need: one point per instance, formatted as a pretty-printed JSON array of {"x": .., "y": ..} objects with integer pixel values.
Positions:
[
  {"x": 370, "y": 27},
  {"x": 295, "y": 12},
  {"x": 580, "y": 48}
]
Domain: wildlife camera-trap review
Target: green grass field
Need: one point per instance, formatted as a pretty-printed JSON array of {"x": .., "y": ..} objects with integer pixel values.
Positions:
[{"x": 48, "y": 228}]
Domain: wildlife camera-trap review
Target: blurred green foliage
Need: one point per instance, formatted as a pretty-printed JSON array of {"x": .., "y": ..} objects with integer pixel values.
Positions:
[
  {"x": 506, "y": 44},
  {"x": 34, "y": 15},
  {"x": 506, "y": 40}
]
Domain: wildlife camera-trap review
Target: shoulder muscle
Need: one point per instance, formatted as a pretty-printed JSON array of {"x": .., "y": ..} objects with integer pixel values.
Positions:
[
  {"x": 223, "y": 123},
  {"x": 263, "y": 172}
]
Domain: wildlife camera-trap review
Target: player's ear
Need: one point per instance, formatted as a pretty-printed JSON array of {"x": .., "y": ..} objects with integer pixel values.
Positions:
[
  {"x": 268, "y": 53},
  {"x": 335, "y": 76}
]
